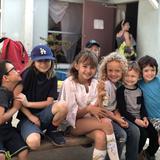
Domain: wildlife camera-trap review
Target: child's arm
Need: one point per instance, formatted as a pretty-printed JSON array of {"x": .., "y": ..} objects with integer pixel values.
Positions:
[
  {"x": 119, "y": 119},
  {"x": 34, "y": 119},
  {"x": 16, "y": 102},
  {"x": 5, "y": 116},
  {"x": 94, "y": 110},
  {"x": 41, "y": 104}
]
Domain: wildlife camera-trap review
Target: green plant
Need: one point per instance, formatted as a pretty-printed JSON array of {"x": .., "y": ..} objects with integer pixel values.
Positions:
[{"x": 55, "y": 43}]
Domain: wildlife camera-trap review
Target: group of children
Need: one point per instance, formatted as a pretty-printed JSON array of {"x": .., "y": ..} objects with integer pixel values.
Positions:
[{"x": 119, "y": 108}]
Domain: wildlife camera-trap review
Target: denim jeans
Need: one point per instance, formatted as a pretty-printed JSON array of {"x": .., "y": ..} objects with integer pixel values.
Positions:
[
  {"x": 132, "y": 143},
  {"x": 129, "y": 136},
  {"x": 121, "y": 137}
]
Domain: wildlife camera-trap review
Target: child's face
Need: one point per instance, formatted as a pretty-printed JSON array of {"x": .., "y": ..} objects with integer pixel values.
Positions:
[
  {"x": 12, "y": 74},
  {"x": 95, "y": 49},
  {"x": 114, "y": 71},
  {"x": 148, "y": 73},
  {"x": 43, "y": 65},
  {"x": 131, "y": 78},
  {"x": 85, "y": 71}
]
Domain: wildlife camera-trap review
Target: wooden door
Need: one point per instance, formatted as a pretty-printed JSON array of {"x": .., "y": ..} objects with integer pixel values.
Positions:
[{"x": 98, "y": 23}]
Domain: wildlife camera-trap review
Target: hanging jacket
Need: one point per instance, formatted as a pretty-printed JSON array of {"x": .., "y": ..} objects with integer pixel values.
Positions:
[{"x": 15, "y": 52}]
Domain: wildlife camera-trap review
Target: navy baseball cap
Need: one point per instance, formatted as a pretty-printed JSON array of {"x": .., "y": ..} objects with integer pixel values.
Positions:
[
  {"x": 42, "y": 52},
  {"x": 92, "y": 42}
]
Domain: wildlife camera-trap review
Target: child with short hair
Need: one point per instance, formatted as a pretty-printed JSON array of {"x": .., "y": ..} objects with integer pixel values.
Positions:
[
  {"x": 93, "y": 46},
  {"x": 131, "y": 105},
  {"x": 85, "y": 116},
  {"x": 10, "y": 139},
  {"x": 111, "y": 71},
  {"x": 40, "y": 111}
]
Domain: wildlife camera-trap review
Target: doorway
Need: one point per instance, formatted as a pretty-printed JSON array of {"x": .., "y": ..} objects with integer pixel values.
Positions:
[
  {"x": 131, "y": 16},
  {"x": 79, "y": 23}
]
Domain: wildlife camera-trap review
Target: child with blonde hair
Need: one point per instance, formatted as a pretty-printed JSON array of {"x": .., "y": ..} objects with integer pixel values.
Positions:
[
  {"x": 111, "y": 71},
  {"x": 79, "y": 90}
]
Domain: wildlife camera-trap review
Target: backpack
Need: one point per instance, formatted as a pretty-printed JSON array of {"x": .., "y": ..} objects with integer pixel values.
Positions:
[{"x": 15, "y": 52}]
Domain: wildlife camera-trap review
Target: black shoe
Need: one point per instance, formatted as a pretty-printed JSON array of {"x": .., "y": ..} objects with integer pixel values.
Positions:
[
  {"x": 147, "y": 156},
  {"x": 56, "y": 137}
]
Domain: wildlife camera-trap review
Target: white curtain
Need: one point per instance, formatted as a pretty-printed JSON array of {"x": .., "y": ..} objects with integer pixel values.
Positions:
[{"x": 57, "y": 10}]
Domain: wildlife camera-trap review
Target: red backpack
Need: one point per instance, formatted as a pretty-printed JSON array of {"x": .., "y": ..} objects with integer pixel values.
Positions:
[{"x": 15, "y": 52}]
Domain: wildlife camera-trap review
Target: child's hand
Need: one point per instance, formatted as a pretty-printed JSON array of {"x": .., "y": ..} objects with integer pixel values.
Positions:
[
  {"x": 34, "y": 119},
  {"x": 109, "y": 114},
  {"x": 140, "y": 122},
  {"x": 97, "y": 112},
  {"x": 22, "y": 98},
  {"x": 123, "y": 123},
  {"x": 146, "y": 123}
]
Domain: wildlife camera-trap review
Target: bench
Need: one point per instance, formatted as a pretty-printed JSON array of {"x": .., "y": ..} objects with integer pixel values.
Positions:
[{"x": 70, "y": 142}]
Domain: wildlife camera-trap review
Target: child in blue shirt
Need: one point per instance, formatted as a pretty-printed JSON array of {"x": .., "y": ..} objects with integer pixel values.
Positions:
[{"x": 149, "y": 84}]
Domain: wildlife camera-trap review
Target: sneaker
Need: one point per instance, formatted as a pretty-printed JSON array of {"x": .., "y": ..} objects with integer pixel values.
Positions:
[
  {"x": 147, "y": 156},
  {"x": 56, "y": 137}
]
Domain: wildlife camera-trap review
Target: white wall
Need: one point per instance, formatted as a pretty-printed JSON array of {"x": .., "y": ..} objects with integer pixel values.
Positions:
[
  {"x": 148, "y": 31},
  {"x": 13, "y": 19},
  {"x": 25, "y": 20},
  {"x": 40, "y": 28}
]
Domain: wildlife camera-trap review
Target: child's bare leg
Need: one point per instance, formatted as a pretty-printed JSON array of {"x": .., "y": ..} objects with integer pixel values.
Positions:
[
  {"x": 2, "y": 156},
  {"x": 99, "y": 152},
  {"x": 87, "y": 125},
  {"x": 33, "y": 141},
  {"x": 59, "y": 111},
  {"x": 23, "y": 155}
]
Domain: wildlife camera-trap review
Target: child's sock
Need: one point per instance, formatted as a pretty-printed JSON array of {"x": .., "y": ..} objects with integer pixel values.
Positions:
[
  {"x": 99, "y": 154},
  {"x": 112, "y": 147}
]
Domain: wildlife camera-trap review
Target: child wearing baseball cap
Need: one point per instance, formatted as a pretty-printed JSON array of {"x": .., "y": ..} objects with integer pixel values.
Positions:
[
  {"x": 93, "y": 46},
  {"x": 40, "y": 112}
]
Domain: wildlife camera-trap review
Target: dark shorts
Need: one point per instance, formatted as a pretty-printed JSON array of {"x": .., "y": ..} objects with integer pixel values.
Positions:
[
  {"x": 11, "y": 140},
  {"x": 26, "y": 127}
]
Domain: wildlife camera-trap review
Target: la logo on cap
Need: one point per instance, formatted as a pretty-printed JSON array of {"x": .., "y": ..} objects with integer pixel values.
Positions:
[{"x": 42, "y": 51}]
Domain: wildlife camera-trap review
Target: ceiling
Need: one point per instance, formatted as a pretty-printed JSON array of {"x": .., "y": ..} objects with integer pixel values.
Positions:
[{"x": 103, "y": 1}]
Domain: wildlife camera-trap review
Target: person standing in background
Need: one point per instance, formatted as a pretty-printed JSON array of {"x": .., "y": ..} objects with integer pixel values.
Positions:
[{"x": 125, "y": 41}]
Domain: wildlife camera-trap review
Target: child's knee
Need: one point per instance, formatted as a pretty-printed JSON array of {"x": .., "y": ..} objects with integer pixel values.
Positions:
[
  {"x": 33, "y": 141},
  {"x": 2, "y": 156},
  {"x": 23, "y": 155},
  {"x": 108, "y": 124},
  {"x": 63, "y": 107},
  {"x": 60, "y": 107}
]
